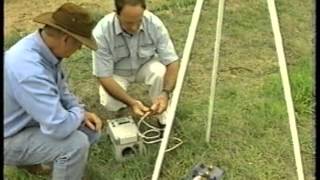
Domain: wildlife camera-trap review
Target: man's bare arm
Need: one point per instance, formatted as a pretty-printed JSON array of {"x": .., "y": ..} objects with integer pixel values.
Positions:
[
  {"x": 160, "y": 103},
  {"x": 170, "y": 76}
]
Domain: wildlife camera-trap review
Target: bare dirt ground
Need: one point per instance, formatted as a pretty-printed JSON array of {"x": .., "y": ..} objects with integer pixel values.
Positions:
[{"x": 18, "y": 14}]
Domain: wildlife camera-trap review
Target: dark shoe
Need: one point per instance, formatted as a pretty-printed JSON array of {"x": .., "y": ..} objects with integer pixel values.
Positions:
[
  {"x": 161, "y": 127},
  {"x": 37, "y": 169}
]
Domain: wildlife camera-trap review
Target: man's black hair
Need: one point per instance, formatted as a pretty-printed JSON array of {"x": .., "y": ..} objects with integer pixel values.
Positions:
[{"x": 119, "y": 4}]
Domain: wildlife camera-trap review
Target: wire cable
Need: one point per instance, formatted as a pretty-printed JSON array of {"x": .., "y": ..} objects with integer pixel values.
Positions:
[{"x": 151, "y": 139}]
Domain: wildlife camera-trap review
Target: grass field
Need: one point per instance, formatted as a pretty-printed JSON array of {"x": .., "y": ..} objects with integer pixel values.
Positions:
[{"x": 250, "y": 137}]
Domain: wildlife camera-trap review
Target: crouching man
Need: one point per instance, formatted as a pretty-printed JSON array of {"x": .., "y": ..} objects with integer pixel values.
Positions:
[
  {"x": 134, "y": 46},
  {"x": 44, "y": 123}
]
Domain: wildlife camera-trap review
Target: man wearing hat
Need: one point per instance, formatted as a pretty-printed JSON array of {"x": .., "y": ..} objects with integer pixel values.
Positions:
[
  {"x": 134, "y": 46},
  {"x": 43, "y": 121}
]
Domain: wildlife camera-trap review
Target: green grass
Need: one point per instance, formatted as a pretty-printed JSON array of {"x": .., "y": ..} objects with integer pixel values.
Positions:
[
  {"x": 250, "y": 135},
  {"x": 13, "y": 38}
]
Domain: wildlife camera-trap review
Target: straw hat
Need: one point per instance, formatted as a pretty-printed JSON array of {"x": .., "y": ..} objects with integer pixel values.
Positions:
[{"x": 73, "y": 20}]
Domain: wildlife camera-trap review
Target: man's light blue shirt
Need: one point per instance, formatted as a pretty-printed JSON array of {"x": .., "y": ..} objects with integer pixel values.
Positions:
[
  {"x": 36, "y": 92},
  {"x": 123, "y": 54}
]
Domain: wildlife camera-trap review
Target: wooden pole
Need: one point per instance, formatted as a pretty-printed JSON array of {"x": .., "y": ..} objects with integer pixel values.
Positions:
[
  {"x": 286, "y": 87},
  {"x": 215, "y": 67},
  {"x": 178, "y": 87}
]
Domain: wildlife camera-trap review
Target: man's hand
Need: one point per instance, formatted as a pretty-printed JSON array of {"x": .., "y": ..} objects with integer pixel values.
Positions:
[
  {"x": 160, "y": 104},
  {"x": 92, "y": 121},
  {"x": 138, "y": 108}
]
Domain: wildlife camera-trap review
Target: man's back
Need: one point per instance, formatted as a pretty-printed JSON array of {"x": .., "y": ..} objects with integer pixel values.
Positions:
[
  {"x": 21, "y": 61},
  {"x": 34, "y": 82}
]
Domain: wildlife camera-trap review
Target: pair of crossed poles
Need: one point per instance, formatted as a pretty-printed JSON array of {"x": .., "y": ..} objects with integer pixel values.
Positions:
[{"x": 182, "y": 71}]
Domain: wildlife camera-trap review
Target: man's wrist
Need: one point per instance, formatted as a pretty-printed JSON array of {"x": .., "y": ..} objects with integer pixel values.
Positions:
[{"x": 131, "y": 102}]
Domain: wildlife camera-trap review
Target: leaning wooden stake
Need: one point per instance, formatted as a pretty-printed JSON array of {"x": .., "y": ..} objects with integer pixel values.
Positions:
[
  {"x": 286, "y": 86},
  {"x": 215, "y": 67},
  {"x": 177, "y": 90}
]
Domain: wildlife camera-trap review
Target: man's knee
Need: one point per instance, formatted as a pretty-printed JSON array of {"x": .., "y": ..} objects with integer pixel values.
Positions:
[
  {"x": 77, "y": 142},
  {"x": 156, "y": 74},
  {"x": 93, "y": 136},
  {"x": 158, "y": 70},
  {"x": 81, "y": 140}
]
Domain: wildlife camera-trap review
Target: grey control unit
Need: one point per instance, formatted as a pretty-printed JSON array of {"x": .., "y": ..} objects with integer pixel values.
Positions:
[{"x": 124, "y": 135}]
